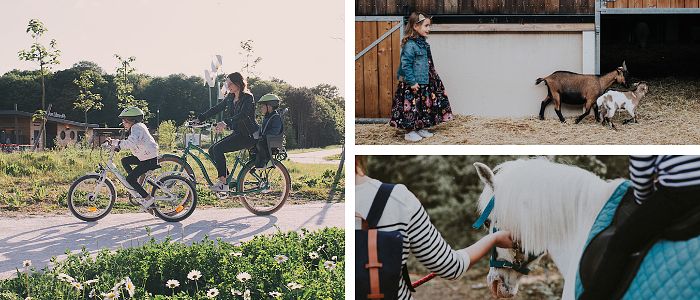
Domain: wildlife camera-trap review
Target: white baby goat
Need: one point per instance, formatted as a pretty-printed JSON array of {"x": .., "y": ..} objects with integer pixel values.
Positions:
[{"x": 611, "y": 101}]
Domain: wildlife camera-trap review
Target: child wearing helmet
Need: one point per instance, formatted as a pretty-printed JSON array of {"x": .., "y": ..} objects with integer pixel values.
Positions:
[
  {"x": 144, "y": 150},
  {"x": 271, "y": 125}
]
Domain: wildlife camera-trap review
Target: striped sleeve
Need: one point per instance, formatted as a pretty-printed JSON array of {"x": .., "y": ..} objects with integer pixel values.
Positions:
[
  {"x": 642, "y": 169},
  {"x": 432, "y": 250}
]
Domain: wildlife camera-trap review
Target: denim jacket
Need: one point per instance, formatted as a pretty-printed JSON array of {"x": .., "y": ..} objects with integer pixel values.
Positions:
[{"x": 414, "y": 61}]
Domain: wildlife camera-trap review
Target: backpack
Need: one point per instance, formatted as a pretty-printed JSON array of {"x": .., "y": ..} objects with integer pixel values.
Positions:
[{"x": 378, "y": 268}]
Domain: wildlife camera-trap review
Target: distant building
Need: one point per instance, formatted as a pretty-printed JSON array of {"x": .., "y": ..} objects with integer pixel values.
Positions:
[{"x": 16, "y": 127}]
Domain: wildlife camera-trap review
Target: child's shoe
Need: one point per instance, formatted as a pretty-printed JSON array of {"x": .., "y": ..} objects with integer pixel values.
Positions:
[
  {"x": 413, "y": 136},
  {"x": 425, "y": 133}
]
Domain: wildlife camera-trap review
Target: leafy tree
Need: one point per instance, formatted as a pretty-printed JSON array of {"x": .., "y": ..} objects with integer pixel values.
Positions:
[
  {"x": 87, "y": 100},
  {"x": 125, "y": 88},
  {"x": 167, "y": 134},
  {"x": 249, "y": 59},
  {"x": 42, "y": 56}
]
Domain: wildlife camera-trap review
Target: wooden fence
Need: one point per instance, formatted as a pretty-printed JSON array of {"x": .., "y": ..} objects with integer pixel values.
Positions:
[
  {"x": 445, "y": 7},
  {"x": 653, "y": 4},
  {"x": 375, "y": 71}
]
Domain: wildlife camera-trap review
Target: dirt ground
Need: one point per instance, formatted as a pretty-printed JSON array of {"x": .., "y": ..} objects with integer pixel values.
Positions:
[
  {"x": 668, "y": 115},
  {"x": 538, "y": 285}
]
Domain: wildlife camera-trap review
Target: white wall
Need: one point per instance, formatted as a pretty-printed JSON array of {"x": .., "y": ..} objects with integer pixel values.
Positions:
[{"x": 494, "y": 73}]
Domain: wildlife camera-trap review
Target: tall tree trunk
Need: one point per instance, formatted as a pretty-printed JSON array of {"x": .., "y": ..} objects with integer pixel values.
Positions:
[{"x": 43, "y": 107}]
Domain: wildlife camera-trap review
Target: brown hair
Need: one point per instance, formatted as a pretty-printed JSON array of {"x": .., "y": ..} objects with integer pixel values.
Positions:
[
  {"x": 409, "y": 32},
  {"x": 361, "y": 164},
  {"x": 238, "y": 80}
]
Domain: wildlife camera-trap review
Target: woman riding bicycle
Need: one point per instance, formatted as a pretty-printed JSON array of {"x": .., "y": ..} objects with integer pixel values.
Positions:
[{"x": 240, "y": 118}]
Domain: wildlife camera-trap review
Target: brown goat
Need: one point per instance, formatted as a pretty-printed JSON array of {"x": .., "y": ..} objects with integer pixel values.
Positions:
[{"x": 578, "y": 89}]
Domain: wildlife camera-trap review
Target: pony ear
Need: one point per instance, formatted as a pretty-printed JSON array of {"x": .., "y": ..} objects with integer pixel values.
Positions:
[{"x": 485, "y": 174}]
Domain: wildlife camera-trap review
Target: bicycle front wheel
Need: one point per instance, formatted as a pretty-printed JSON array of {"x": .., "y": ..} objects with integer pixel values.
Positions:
[
  {"x": 264, "y": 191},
  {"x": 175, "y": 198},
  {"x": 89, "y": 199}
]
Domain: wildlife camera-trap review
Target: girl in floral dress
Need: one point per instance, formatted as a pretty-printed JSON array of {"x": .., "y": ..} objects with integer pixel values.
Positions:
[{"x": 420, "y": 101}]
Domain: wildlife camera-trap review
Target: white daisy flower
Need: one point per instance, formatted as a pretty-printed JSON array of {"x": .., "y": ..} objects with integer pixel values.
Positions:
[
  {"x": 236, "y": 254},
  {"x": 130, "y": 287},
  {"x": 334, "y": 257},
  {"x": 77, "y": 285},
  {"x": 172, "y": 283},
  {"x": 236, "y": 292},
  {"x": 212, "y": 293},
  {"x": 313, "y": 255},
  {"x": 275, "y": 294},
  {"x": 111, "y": 295},
  {"x": 194, "y": 275},
  {"x": 243, "y": 277},
  {"x": 28, "y": 298},
  {"x": 91, "y": 281},
  {"x": 280, "y": 258},
  {"x": 321, "y": 247},
  {"x": 246, "y": 295},
  {"x": 294, "y": 286},
  {"x": 65, "y": 277},
  {"x": 92, "y": 294},
  {"x": 329, "y": 265},
  {"x": 27, "y": 263}
]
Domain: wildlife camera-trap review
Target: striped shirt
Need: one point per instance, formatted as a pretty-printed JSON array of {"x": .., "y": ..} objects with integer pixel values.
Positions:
[
  {"x": 403, "y": 212},
  {"x": 668, "y": 170}
]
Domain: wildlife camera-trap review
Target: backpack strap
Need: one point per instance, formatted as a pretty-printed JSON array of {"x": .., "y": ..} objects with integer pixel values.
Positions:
[
  {"x": 373, "y": 264},
  {"x": 380, "y": 200}
]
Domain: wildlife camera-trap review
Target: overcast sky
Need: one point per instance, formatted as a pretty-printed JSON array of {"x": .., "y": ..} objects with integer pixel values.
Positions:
[{"x": 300, "y": 42}]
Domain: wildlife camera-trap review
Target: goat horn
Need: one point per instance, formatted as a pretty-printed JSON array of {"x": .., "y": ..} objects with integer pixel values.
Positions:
[{"x": 624, "y": 66}]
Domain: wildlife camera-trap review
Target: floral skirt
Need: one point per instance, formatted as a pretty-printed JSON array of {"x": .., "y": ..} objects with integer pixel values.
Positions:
[{"x": 424, "y": 108}]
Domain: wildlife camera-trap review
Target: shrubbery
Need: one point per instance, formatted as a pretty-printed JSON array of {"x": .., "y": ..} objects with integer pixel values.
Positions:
[{"x": 306, "y": 265}]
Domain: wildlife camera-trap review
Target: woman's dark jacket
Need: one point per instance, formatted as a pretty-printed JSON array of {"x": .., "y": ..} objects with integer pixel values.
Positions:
[{"x": 239, "y": 116}]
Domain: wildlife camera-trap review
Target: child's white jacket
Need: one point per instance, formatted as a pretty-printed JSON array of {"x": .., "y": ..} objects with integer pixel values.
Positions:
[{"x": 140, "y": 142}]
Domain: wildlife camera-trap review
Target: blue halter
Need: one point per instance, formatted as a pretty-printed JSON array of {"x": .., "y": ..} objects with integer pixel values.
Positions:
[{"x": 518, "y": 265}]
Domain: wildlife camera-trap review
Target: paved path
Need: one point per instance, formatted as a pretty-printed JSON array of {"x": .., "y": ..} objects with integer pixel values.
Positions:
[
  {"x": 316, "y": 157},
  {"x": 40, "y": 238}
]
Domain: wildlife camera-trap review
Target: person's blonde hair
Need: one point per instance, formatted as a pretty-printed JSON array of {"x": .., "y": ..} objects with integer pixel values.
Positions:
[{"x": 409, "y": 32}]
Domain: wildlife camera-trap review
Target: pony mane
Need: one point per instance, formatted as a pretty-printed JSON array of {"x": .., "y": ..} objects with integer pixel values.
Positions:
[{"x": 542, "y": 202}]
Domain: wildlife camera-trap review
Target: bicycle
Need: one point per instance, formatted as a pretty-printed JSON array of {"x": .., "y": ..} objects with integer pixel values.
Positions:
[
  {"x": 92, "y": 196},
  {"x": 261, "y": 191}
]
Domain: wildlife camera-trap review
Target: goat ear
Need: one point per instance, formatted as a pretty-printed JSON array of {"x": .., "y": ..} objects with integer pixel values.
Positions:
[
  {"x": 485, "y": 174},
  {"x": 624, "y": 66}
]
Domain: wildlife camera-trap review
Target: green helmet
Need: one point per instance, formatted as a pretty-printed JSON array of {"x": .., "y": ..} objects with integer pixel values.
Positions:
[
  {"x": 131, "y": 112},
  {"x": 270, "y": 99}
]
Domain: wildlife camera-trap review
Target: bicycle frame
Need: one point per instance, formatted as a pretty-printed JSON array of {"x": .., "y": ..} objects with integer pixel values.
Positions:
[
  {"x": 110, "y": 167},
  {"x": 190, "y": 148}
]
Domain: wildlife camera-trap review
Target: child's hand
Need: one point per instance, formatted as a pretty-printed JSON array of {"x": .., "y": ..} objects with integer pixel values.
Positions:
[
  {"x": 415, "y": 87},
  {"x": 503, "y": 239}
]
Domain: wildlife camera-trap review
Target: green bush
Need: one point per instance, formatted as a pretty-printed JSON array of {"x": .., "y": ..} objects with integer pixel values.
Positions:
[
  {"x": 314, "y": 260},
  {"x": 166, "y": 135}
]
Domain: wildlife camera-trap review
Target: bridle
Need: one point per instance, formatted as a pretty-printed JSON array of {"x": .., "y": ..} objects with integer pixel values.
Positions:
[{"x": 521, "y": 258}]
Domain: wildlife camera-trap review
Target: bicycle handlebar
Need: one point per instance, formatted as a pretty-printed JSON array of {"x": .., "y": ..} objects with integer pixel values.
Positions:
[{"x": 194, "y": 124}]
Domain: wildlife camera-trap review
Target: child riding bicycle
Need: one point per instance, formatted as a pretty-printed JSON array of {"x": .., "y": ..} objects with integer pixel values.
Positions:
[{"x": 144, "y": 151}]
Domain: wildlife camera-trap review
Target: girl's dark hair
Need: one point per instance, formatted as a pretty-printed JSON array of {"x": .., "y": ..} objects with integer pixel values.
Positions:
[
  {"x": 238, "y": 80},
  {"x": 412, "y": 20}
]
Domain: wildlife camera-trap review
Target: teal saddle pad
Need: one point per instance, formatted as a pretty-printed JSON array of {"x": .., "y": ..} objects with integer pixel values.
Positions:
[{"x": 670, "y": 270}]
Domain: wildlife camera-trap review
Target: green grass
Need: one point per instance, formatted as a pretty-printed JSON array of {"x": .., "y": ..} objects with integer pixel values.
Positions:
[
  {"x": 38, "y": 182},
  {"x": 333, "y": 157},
  {"x": 315, "y": 260}
]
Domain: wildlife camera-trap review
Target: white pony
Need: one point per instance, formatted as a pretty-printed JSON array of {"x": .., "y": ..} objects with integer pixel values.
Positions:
[{"x": 548, "y": 207}]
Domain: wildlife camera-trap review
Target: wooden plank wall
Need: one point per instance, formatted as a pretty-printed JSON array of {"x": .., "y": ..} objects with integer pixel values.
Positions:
[
  {"x": 653, "y": 3},
  {"x": 439, "y": 7},
  {"x": 375, "y": 72}
]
